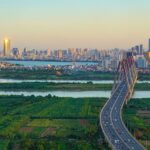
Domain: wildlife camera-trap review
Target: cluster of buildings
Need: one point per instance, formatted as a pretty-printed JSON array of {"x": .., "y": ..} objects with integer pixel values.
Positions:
[
  {"x": 69, "y": 69},
  {"x": 107, "y": 59},
  {"x": 70, "y": 54},
  {"x": 141, "y": 56},
  {"x": 6, "y": 65}
]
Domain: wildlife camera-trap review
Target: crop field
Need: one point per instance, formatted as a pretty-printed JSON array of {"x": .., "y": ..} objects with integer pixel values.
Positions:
[
  {"x": 51, "y": 86},
  {"x": 54, "y": 75},
  {"x": 137, "y": 118},
  {"x": 50, "y": 122},
  {"x": 39, "y": 123}
]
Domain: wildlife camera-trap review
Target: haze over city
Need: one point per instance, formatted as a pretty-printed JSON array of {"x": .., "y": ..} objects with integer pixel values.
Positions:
[{"x": 64, "y": 23}]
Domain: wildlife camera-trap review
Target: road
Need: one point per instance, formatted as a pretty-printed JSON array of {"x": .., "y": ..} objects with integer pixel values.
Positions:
[{"x": 112, "y": 125}]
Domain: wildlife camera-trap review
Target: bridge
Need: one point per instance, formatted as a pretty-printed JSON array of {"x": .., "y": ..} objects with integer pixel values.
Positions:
[{"x": 115, "y": 131}]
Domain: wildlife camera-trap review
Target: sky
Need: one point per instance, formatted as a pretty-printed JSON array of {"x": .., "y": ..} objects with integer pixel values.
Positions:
[{"x": 101, "y": 24}]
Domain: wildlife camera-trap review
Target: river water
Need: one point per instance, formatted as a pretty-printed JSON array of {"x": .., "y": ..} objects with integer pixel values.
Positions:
[
  {"x": 75, "y": 94},
  {"x": 64, "y": 81},
  {"x": 45, "y": 63}
]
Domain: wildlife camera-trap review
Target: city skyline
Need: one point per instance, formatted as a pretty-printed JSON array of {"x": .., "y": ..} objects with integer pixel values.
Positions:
[
  {"x": 61, "y": 24},
  {"x": 138, "y": 46}
]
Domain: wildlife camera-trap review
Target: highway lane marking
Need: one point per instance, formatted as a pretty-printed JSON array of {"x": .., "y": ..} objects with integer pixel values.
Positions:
[
  {"x": 127, "y": 133},
  {"x": 114, "y": 105},
  {"x": 101, "y": 116},
  {"x": 110, "y": 139}
]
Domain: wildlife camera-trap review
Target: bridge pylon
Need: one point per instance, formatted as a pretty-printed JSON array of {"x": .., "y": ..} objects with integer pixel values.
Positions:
[
  {"x": 111, "y": 120},
  {"x": 126, "y": 71}
]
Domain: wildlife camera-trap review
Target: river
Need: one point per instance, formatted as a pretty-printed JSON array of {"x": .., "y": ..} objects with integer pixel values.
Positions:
[
  {"x": 75, "y": 94},
  {"x": 45, "y": 63},
  {"x": 64, "y": 81}
]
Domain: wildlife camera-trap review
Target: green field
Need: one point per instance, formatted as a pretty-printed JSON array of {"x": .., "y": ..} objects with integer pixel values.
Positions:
[
  {"x": 51, "y": 86},
  {"x": 39, "y": 123},
  {"x": 61, "y": 74},
  {"x": 46, "y": 86},
  {"x": 50, "y": 122},
  {"x": 137, "y": 118},
  {"x": 55, "y": 74}
]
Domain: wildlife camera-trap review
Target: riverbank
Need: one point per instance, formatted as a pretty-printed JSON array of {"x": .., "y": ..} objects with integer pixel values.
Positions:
[
  {"x": 44, "y": 86},
  {"x": 60, "y": 74},
  {"x": 53, "y": 74},
  {"x": 52, "y": 86}
]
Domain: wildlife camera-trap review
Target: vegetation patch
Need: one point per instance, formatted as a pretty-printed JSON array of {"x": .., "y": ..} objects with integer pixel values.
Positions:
[
  {"x": 48, "y": 132},
  {"x": 50, "y": 122},
  {"x": 136, "y": 115},
  {"x": 63, "y": 123},
  {"x": 143, "y": 113},
  {"x": 26, "y": 129},
  {"x": 51, "y": 86}
]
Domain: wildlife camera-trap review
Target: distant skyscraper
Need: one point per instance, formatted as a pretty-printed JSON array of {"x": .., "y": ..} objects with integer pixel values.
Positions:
[
  {"x": 149, "y": 45},
  {"x": 49, "y": 52},
  {"x": 137, "y": 49},
  {"x": 59, "y": 53},
  {"x": 15, "y": 52},
  {"x": 141, "y": 50},
  {"x": 6, "y": 47},
  {"x": 141, "y": 62}
]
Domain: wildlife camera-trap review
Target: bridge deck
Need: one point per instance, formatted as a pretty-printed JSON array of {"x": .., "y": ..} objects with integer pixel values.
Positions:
[{"x": 112, "y": 125}]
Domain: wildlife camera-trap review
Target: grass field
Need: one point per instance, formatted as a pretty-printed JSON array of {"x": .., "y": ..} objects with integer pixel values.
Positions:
[
  {"x": 137, "y": 118},
  {"x": 45, "y": 86},
  {"x": 50, "y": 122},
  {"x": 51, "y": 86},
  {"x": 53, "y": 74},
  {"x": 39, "y": 123}
]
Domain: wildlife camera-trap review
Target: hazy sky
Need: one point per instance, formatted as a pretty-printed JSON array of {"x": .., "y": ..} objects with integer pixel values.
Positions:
[{"x": 75, "y": 23}]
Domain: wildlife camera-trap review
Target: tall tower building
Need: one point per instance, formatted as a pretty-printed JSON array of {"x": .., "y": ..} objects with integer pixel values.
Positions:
[
  {"x": 149, "y": 45},
  {"x": 141, "y": 49},
  {"x": 48, "y": 52},
  {"x": 6, "y": 47},
  {"x": 137, "y": 49}
]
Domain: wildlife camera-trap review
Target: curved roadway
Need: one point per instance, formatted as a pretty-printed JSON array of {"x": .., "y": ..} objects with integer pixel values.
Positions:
[{"x": 112, "y": 125}]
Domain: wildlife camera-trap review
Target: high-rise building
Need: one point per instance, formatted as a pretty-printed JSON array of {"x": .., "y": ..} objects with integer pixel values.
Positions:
[
  {"x": 141, "y": 50},
  {"x": 6, "y": 48},
  {"x": 59, "y": 53},
  {"x": 15, "y": 52},
  {"x": 149, "y": 45},
  {"x": 49, "y": 52},
  {"x": 137, "y": 49},
  {"x": 141, "y": 62}
]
